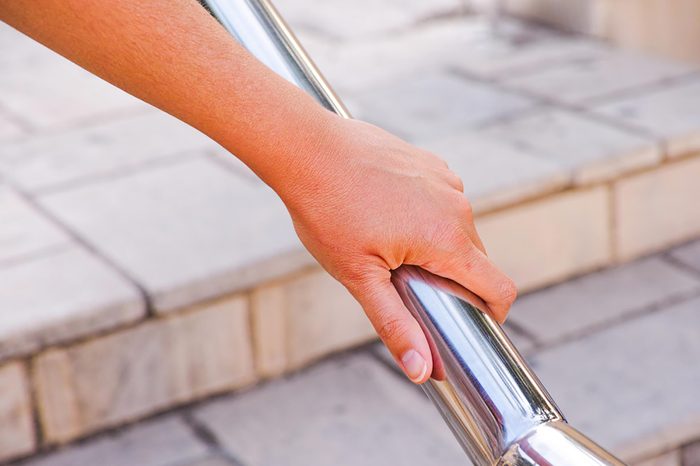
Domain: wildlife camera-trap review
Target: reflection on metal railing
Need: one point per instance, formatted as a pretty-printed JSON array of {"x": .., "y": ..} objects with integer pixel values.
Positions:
[
  {"x": 496, "y": 407},
  {"x": 498, "y": 410}
]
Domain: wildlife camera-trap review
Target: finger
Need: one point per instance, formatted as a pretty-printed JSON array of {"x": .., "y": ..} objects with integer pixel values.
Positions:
[
  {"x": 466, "y": 216},
  {"x": 453, "y": 180},
  {"x": 434, "y": 158},
  {"x": 465, "y": 264},
  {"x": 475, "y": 238},
  {"x": 395, "y": 325}
]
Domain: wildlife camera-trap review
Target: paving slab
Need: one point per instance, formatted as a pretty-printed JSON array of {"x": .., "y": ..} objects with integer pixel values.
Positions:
[
  {"x": 611, "y": 72},
  {"x": 217, "y": 462},
  {"x": 163, "y": 442},
  {"x": 347, "y": 411},
  {"x": 438, "y": 44},
  {"x": 431, "y": 105},
  {"x": 142, "y": 370},
  {"x": 691, "y": 455},
  {"x": 9, "y": 129},
  {"x": 672, "y": 458},
  {"x": 523, "y": 52},
  {"x": 52, "y": 161},
  {"x": 304, "y": 318},
  {"x": 631, "y": 387},
  {"x": 592, "y": 301},
  {"x": 360, "y": 64},
  {"x": 669, "y": 112},
  {"x": 525, "y": 344},
  {"x": 25, "y": 231},
  {"x": 496, "y": 174},
  {"x": 657, "y": 209},
  {"x": 590, "y": 150},
  {"x": 187, "y": 231},
  {"x": 16, "y": 422},
  {"x": 60, "y": 296},
  {"x": 688, "y": 254},
  {"x": 18, "y": 49},
  {"x": 565, "y": 234},
  {"x": 51, "y": 92},
  {"x": 361, "y": 18}
]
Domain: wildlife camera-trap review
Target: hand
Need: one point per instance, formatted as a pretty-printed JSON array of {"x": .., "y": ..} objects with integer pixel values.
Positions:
[{"x": 370, "y": 202}]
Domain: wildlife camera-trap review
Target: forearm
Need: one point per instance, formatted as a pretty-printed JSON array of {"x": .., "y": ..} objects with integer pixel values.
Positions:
[
  {"x": 173, "y": 54},
  {"x": 363, "y": 201}
]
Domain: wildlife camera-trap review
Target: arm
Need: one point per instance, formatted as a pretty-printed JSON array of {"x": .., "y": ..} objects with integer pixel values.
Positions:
[{"x": 363, "y": 201}]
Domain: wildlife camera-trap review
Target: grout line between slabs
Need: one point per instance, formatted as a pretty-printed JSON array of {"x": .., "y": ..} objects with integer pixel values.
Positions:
[
  {"x": 86, "y": 245},
  {"x": 679, "y": 264},
  {"x": 205, "y": 435},
  {"x": 618, "y": 321}
]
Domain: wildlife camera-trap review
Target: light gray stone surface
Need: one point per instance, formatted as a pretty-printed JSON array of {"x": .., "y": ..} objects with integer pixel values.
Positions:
[
  {"x": 670, "y": 112},
  {"x": 60, "y": 296},
  {"x": 672, "y": 458},
  {"x": 348, "y": 411},
  {"x": 691, "y": 454},
  {"x": 611, "y": 72},
  {"x": 64, "y": 158},
  {"x": 214, "y": 462},
  {"x": 163, "y": 442},
  {"x": 25, "y": 231},
  {"x": 590, "y": 150},
  {"x": 361, "y": 18},
  {"x": 592, "y": 301},
  {"x": 494, "y": 173},
  {"x": 524, "y": 52},
  {"x": 18, "y": 49},
  {"x": 688, "y": 254},
  {"x": 304, "y": 318},
  {"x": 8, "y": 128},
  {"x": 431, "y": 105},
  {"x": 361, "y": 64},
  {"x": 632, "y": 387},
  {"x": 48, "y": 91},
  {"x": 142, "y": 370},
  {"x": 523, "y": 343},
  {"x": 187, "y": 231},
  {"x": 657, "y": 208},
  {"x": 17, "y": 436},
  {"x": 450, "y": 42},
  {"x": 547, "y": 240}
]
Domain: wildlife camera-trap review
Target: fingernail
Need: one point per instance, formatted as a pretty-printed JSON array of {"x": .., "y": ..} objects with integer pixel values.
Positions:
[{"x": 414, "y": 365}]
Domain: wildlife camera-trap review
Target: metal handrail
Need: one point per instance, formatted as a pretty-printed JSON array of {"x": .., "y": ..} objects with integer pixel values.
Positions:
[{"x": 494, "y": 404}]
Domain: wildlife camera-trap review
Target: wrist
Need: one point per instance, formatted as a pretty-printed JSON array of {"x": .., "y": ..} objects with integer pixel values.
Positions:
[{"x": 291, "y": 146}]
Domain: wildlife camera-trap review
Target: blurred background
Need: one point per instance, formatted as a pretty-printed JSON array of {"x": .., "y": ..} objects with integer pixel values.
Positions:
[{"x": 156, "y": 308}]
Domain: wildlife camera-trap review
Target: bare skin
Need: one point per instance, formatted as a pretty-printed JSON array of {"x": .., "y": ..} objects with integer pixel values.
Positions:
[{"x": 362, "y": 200}]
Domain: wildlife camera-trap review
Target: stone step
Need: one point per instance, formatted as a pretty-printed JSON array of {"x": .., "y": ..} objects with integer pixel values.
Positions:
[
  {"x": 630, "y": 385},
  {"x": 137, "y": 255}
]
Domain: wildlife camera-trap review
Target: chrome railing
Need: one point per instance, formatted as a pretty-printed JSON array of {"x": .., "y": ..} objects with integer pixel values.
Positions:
[{"x": 496, "y": 407}]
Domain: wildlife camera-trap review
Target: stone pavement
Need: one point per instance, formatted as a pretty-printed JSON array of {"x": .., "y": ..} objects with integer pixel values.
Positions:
[
  {"x": 625, "y": 373},
  {"x": 138, "y": 256}
]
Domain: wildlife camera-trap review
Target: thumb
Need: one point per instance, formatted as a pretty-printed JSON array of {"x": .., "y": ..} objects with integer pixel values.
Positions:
[
  {"x": 395, "y": 325},
  {"x": 467, "y": 265}
]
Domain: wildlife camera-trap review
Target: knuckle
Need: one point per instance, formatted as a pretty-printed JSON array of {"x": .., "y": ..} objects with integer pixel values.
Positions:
[
  {"x": 460, "y": 185},
  {"x": 471, "y": 259},
  {"x": 436, "y": 160},
  {"x": 391, "y": 330},
  {"x": 508, "y": 291},
  {"x": 456, "y": 181},
  {"x": 463, "y": 206}
]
